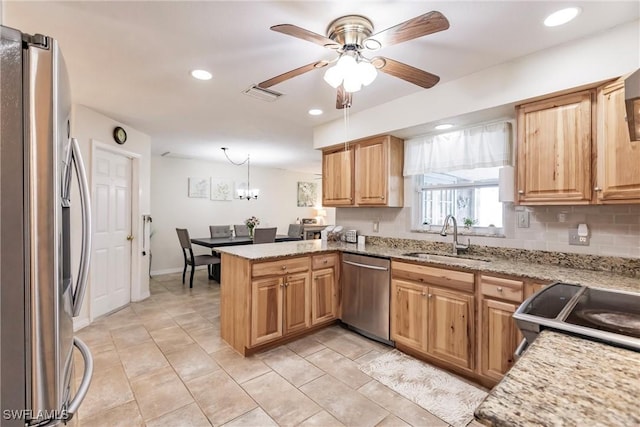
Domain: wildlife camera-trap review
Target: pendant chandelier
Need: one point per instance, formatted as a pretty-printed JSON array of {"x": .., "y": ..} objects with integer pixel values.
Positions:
[{"x": 242, "y": 193}]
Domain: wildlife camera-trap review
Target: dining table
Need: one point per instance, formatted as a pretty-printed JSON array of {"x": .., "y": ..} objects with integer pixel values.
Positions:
[{"x": 212, "y": 242}]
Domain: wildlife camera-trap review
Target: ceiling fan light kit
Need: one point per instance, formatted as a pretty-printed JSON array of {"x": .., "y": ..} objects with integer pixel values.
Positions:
[{"x": 349, "y": 35}]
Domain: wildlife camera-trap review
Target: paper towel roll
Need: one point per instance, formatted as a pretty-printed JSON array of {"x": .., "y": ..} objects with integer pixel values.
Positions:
[{"x": 506, "y": 184}]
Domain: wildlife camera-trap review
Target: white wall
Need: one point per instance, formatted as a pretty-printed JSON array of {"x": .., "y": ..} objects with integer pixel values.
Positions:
[
  {"x": 172, "y": 208},
  {"x": 89, "y": 127},
  {"x": 603, "y": 56}
]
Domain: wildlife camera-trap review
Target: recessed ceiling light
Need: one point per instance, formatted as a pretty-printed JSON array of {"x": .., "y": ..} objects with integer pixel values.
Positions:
[
  {"x": 444, "y": 126},
  {"x": 201, "y": 74},
  {"x": 315, "y": 112},
  {"x": 562, "y": 16}
]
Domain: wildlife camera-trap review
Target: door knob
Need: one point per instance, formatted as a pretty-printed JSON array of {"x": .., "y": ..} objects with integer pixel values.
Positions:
[{"x": 129, "y": 237}]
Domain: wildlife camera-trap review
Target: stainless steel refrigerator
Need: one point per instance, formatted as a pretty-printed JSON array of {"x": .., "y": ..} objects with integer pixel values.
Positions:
[{"x": 38, "y": 294}]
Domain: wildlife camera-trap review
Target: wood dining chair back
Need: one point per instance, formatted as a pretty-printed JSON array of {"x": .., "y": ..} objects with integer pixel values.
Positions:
[
  {"x": 219, "y": 231},
  {"x": 193, "y": 260},
  {"x": 264, "y": 235},
  {"x": 295, "y": 230},
  {"x": 241, "y": 230}
]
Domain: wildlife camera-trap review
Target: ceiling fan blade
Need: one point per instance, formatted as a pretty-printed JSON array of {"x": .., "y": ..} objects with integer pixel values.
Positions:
[
  {"x": 429, "y": 23},
  {"x": 344, "y": 98},
  {"x": 406, "y": 72},
  {"x": 301, "y": 33},
  {"x": 291, "y": 74}
]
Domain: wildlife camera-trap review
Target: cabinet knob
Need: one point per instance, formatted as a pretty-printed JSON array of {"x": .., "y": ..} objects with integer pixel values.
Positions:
[
  {"x": 326, "y": 261},
  {"x": 520, "y": 191},
  {"x": 282, "y": 285},
  {"x": 382, "y": 197},
  {"x": 499, "y": 289},
  {"x": 597, "y": 189},
  {"x": 429, "y": 296},
  {"x": 423, "y": 294},
  {"x": 284, "y": 267}
]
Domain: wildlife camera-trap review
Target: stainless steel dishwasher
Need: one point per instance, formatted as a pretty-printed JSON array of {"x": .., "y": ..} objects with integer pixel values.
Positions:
[{"x": 365, "y": 295}]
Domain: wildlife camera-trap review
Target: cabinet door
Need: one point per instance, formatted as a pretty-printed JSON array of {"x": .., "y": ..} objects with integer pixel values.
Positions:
[
  {"x": 297, "y": 314},
  {"x": 554, "y": 150},
  {"x": 337, "y": 178},
  {"x": 450, "y": 335},
  {"x": 324, "y": 296},
  {"x": 266, "y": 310},
  {"x": 500, "y": 337},
  {"x": 618, "y": 177},
  {"x": 409, "y": 314},
  {"x": 372, "y": 171}
]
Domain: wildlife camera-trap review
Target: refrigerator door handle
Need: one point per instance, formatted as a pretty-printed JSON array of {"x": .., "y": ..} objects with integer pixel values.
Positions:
[
  {"x": 74, "y": 404},
  {"x": 85, "y": 206}
]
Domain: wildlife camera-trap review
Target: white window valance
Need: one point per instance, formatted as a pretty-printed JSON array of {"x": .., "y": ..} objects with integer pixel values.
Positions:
[{"x": 477, "y": 147}]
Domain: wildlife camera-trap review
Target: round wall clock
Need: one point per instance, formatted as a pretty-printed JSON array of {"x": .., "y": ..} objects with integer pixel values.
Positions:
[{"x": 120, "y": 135}]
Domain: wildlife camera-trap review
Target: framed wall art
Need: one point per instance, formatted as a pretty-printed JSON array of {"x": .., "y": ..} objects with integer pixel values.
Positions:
[
  {"x": 199, "y": 187},
  {"x": 222, "y": 189},
  {"x": 307, "y": 194}
]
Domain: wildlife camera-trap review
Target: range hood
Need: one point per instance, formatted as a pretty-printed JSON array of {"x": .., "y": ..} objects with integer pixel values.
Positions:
[{"x": 632, "y": 104}]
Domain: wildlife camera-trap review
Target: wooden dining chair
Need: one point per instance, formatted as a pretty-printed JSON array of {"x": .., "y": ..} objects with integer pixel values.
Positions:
[
  {"x": 295, "y": 230},
  {"x": 264, "y": 235},
  {"x": 193, "y": 260},
  {"x": 219, "y": 231},
  {"x": 241, "y": 230}
]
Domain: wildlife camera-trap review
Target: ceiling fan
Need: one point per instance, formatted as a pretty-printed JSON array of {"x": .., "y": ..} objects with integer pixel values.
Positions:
[{"x": 349, "y": 36}]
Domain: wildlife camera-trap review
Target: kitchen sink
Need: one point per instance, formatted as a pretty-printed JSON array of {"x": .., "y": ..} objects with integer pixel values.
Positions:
[{"x": 468, "y": 262}]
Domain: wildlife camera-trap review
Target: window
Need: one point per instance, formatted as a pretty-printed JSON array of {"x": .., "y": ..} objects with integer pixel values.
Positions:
[{"x": 470, "y": 195}]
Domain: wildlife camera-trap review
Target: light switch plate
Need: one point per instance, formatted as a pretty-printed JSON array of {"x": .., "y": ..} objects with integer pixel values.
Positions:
[
  {"x": 576, "y": 240},
  {"x": 376, "y": 226},
  {"x": 523, "y": 219}
]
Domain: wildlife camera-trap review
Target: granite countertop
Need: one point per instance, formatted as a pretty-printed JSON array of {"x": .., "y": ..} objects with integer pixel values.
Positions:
[
  {"x": 564, "y": 380},
  {"x": 537, "y": 271}
]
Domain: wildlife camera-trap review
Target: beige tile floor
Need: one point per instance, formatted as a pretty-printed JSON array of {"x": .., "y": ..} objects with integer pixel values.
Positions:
[{"x": 161, "y": 362}]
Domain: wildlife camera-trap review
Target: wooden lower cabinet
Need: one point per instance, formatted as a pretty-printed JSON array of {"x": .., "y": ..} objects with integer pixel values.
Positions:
[
  {"x": 279, "y": 306},
  {"x": 297, "y": 302},
  {"x": 409, "y": 314},
  {"x": 500, "y": 338},
  {"x": 266, "y": 309},
  {"x": 432, "y": 320},
  {"x": 324, "y": 296},
  {"x": 450, "y": 326},
  {"x": 499, "y": 334}
]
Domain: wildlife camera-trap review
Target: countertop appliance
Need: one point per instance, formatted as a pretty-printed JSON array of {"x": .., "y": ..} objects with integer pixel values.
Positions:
[
  {"x": 351, "y": 236},
  {"x": 366, "y": 283},
  {"x": 603, "y": 315},
  {"x": 38, "y": 295}
]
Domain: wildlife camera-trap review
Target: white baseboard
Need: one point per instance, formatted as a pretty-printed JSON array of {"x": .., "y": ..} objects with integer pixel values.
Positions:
[
  {"x": 174, "y": 270},
  {"x": 142, "y": 297}
]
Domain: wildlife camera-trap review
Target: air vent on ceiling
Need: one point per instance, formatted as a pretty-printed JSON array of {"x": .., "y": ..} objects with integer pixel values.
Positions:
[{"x": 263, "y": 94}]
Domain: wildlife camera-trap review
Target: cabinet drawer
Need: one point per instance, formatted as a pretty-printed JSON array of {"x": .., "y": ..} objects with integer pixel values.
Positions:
[
  {"x": 497, "y": 287},
  {"x": 283, "y": 266},
  {"x": 453, "y": 279},
  {"x": 324, "y": 261}
]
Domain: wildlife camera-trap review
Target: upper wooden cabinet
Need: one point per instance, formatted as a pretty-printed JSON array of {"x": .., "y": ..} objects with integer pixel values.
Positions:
[
  {"x": 554, "y": 150},
  {"x": 618, "y": 164},
  {"x": 368, "y": 173},
  {"x": 337, "y": 177}
]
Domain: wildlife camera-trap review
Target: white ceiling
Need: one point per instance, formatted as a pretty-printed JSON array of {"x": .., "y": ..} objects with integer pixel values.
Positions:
[{"x": 131, "y": 61}]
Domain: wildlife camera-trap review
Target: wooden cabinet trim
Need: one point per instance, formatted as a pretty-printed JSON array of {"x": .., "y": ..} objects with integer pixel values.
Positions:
[
  {"x": 501, "y": 288},
  {"x": 324, "y": 261},
  {"x": 452, "y": 279},
  {"x": 281, "y": 266}
]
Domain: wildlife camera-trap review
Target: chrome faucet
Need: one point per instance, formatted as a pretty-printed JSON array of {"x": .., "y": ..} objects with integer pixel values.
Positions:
[{"x": 456, "y": 246}]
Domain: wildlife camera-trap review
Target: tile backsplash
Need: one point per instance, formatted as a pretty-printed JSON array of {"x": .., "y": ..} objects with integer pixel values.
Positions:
[{"x": 614, "y": 229}]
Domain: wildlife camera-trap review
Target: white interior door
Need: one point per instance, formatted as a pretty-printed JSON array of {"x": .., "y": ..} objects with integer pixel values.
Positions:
[{"x": 111, "y": 261}]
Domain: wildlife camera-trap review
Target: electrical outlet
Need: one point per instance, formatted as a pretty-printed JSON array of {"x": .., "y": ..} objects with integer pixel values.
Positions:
[
  {"x": 376, "y": 226},
  {"x": 576, "y": 240},
  {"x": 523, "y": 219}
]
